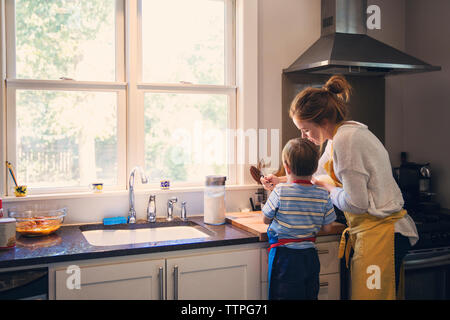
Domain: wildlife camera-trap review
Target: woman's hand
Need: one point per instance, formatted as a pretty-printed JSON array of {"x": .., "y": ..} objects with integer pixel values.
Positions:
[
  {"x": 270, "y": 181},
  {"x": 323, "y": 184}
]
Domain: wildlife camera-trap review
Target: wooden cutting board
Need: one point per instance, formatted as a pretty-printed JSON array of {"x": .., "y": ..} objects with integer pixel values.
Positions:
[
  {"x": 253, "y": 222},
  {"x": 249, "y": 221}
]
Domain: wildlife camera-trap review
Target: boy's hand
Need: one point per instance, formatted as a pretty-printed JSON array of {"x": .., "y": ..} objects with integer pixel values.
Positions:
[
  {"x": 270, "y": 181},
  {"x": 266, "y": 220}
]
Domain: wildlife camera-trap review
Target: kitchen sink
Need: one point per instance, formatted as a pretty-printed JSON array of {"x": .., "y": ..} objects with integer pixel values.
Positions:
[{"x": 101, "y": 235}]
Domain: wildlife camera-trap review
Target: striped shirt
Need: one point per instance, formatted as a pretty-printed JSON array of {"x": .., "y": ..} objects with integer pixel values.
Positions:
[{"x": 298, "y": 211}]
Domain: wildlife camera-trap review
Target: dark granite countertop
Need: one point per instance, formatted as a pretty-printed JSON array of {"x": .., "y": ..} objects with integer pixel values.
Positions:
[{"x": 69, "y": 244}]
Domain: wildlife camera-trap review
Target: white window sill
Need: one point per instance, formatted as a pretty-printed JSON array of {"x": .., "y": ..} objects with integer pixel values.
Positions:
[{"x": 105, "y": 193}]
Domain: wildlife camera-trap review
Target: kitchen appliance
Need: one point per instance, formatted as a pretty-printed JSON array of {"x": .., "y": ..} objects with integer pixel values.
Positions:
[
  {"x": 427, "y": 264},
  {"x": 345, "y": 48},
  {"x": 414, "y": 180},
  {"x": 31, "y": 284}
]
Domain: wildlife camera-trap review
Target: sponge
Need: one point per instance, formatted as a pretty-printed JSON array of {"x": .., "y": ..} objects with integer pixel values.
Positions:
[{"x": 114, "y": 220}]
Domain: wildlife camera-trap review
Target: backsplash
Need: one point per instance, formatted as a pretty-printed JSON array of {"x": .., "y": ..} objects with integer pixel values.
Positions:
[{"x": 95, "y": 208}]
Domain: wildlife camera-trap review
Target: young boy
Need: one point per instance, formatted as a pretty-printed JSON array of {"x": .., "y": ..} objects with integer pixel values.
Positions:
[{"x": 296, "y": 211}]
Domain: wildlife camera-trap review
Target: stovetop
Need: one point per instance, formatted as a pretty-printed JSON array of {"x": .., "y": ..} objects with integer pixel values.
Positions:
[{"x": 433, "y": 228}]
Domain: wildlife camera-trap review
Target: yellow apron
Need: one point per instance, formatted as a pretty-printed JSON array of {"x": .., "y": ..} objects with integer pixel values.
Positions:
[{"x": 372, "y": 266}]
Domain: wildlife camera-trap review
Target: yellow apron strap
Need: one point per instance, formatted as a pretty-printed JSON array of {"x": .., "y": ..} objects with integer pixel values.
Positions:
[
  {"x": 345, "y": 246},
  {"x": 343, "y": 243}
]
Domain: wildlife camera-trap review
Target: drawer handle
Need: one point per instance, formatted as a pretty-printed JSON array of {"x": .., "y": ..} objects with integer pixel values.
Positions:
[
  {"x": 175, "y": 283},
  {"x": 323, "y": 284},
  {"x": 323, "y": 251},
  {"x": 161, "y": 284}
]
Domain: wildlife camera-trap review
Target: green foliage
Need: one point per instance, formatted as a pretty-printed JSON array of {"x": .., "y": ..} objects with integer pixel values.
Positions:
[
  {"x": 48, "y": 38},
  {"x": 48, "y": 34}
]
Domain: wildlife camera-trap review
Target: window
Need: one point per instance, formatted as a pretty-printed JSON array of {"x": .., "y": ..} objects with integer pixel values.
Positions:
[
  {"x": 66, "y": 138},
  {"x": 191, "y": 47},
  {"x": 190, "y": 147},
  {"x": 97, "y": 87},
  {"x": 61, "y": 38}
]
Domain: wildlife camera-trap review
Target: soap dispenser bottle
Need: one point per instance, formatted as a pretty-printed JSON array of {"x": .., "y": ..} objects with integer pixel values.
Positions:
[{"x": 151, "y": 209}]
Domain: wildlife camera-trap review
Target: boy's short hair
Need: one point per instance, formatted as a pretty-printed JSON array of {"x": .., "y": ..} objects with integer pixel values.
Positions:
[{"x": 301, "y": 156}]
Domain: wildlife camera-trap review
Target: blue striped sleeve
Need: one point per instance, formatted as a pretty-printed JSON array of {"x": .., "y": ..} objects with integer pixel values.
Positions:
[
  {"x": 272, "y": 204},
  {"x": 329, "y": 214}
]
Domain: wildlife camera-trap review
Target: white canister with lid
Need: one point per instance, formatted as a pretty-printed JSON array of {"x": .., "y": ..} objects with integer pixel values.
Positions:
[
  {"x": 214, "y": 200},
  {"x": 7, "y": 233}
]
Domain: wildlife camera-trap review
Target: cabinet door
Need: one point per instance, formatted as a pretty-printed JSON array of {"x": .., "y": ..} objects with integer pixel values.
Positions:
[
  {"x": 140, "y": 280},
  {"x": 229, "y": 275}
]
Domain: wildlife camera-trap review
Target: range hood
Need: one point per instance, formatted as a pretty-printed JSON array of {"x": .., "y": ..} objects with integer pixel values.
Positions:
[{"x": 345, "y": 48}]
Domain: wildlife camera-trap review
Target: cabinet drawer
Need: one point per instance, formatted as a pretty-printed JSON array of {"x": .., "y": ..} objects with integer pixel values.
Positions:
[
  {"x": 328, "y": 257},
  {"x": 329, "y": 287}
]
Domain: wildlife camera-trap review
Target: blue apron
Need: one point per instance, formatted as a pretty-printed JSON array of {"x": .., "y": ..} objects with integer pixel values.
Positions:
[
  {"x": 272, "y": 240},
  {"x": 273, "y": 243}
]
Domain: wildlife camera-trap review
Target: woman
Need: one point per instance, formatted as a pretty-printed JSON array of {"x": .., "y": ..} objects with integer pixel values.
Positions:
[{"x": 361, "y": 184}]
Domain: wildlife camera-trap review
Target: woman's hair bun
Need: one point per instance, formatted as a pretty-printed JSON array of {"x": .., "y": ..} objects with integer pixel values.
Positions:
[{"x": 339, "y": 86}]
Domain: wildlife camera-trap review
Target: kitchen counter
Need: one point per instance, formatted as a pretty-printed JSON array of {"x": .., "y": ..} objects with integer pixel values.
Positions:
[
  {"x": 253, "y": 223},
  {"x": 69, "y": 244}
]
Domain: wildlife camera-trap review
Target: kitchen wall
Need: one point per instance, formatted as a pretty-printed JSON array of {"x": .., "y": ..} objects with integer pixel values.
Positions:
[
  {"x": 288, "y": 27},
  {"x": 426, "y": 98},
  {"x": 417, "y": 106},
  {"x": 95, "y": 207}
]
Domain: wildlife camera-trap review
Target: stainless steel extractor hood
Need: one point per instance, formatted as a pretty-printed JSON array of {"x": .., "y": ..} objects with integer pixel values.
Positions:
[{"x": 345, "y": 48}]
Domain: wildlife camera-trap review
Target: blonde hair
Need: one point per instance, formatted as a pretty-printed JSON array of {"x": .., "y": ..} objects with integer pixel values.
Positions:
[
  {"x": 301, "y": 156},
  {"x": 326, "y": 103}
]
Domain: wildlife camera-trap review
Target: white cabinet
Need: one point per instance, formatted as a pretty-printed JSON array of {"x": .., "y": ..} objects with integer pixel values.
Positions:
[
  {"x": 329, "y": 287},
  {"x": 224, "y": 276},
  {"x": 139, "y": 280},
  {"x": 217, "y": 275},
  {"x": 329, "y": 278}
]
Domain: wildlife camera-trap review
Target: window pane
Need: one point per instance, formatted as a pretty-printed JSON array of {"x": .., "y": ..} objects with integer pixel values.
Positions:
[
  {"x": 185, "y": 136},
  {"x": 65, "y": 38},
  {"x": 183, "y": 41},
  {"x": 66, "y": 138}
]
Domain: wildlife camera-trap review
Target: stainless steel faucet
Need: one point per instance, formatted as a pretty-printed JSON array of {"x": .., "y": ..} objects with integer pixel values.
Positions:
[
  {"x": 132, "y": 211},
  {"x": 170, "y": 204},
  {"x": 151, "y": 209}
]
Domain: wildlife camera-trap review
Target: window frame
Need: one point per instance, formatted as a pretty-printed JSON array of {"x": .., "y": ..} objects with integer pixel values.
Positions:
[
  {"x": 130, "y": 92},
  {"x": 138, "y": 88},
  {"x": 13, "y": 84}
]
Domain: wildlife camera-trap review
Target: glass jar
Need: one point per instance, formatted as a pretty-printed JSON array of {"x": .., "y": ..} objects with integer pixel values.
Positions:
[{"x": 214, "y": 200}]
